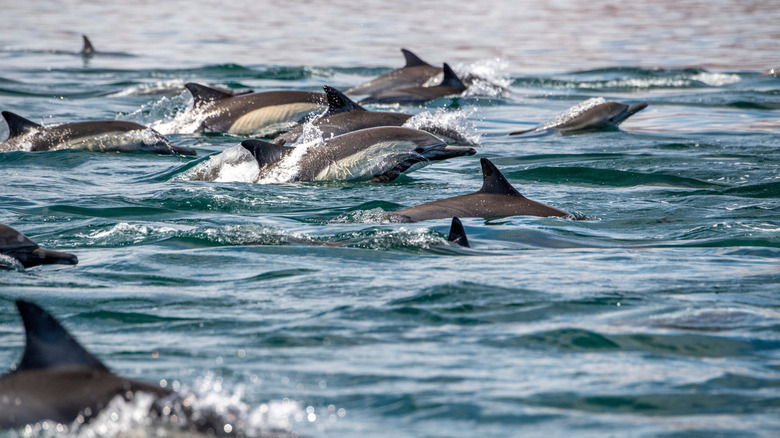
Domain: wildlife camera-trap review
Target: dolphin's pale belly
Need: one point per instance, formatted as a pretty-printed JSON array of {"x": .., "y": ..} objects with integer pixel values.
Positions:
[
  {"x": 363, "y": 164},
  {"x": 271, "y": 119}
]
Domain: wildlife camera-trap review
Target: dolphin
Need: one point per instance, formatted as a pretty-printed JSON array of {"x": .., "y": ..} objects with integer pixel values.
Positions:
[
  {"x": 378, "y": 154},
  {"x": 450, "y": 85},
  {"x": 88, "y": 50},
  {"x": 496, "y": 198},
  {"x": 344, "y": 115},
  {"x": 415, "y": 73},
  {"x": 604, "y": 116},
  {"x": 16, "y": 245},
  {"x": 58, "y": 380},
  {"x": 263, "y": 112},
  {"x": 458, "y": 234},
  {"x": 99, "y": 136}
]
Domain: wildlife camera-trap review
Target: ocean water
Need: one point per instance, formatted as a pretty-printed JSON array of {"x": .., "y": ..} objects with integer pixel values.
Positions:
[{"x": 296, "y": 307}]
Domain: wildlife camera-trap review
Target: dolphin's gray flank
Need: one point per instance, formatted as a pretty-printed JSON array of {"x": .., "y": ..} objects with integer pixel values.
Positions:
[
  {"x": 57, "y": 379},
  {"x": 262, "y": 112},
  {"x": 18, "y": 246},
  {"x": 450, "y": 85},
  {"x": 415, "y": 73},
  {"x": 496, "y": 198},
  {"x": 378, "y": 154},
  {"x": 607, "y": 115},
  {"x": 102, "y": 136}
]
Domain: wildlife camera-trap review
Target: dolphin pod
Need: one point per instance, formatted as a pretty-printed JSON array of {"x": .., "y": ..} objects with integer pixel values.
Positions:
[
  {"x": 379, "y": 154},
  {"x": 264, "y": 112},
  {"x": 19, "y": 247},
  {"x": 58, "y": 380},
  {"x": 607, "y": 115},
  {"x": 100, "y": 136},
  {"x": 344, "y": 115},
  {"x": 496, "y": 198},
  {"x": 450, "y": 85}
]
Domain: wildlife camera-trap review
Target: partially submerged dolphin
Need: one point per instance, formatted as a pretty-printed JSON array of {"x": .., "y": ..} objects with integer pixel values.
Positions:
[
  {"x": 458, "y": 234},
  {"x": 607, "y": 115},
  {"x": 58, "y": 380},
  {"x": 99, "y": 136},
  {"x": 344, "y": 115},
  {"x": 379, "y": 154},
  {"x": 415, "y": 73},
  {"x": 260, "y": 113},
  {"x": 88, "y": 50},
  {"x": 496, "y": 198},
  {"x": 16, "y": 245},
  {"x": 450, "y": 85}
]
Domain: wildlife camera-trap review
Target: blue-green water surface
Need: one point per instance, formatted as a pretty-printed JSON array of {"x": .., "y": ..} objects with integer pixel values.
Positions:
[{"x": 656, "y": 316}]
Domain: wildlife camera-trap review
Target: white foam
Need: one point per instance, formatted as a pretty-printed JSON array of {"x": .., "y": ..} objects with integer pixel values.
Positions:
[
  {"x": 234, "y": 164},
  {"x": 717, "y": 79},
  {"x": 572, "y": 112},
  {"x": 444, "y": 120}
]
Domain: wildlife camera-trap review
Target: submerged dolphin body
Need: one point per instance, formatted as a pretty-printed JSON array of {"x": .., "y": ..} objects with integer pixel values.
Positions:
[
  {"x": 99, "y": 136},
  {"x": 379, "y": 154},
  {"x": 16, "y": 245},
  {"x": 450, "y": 85},
  {"x": 254, "y": 113},
  {"x": 58, "y": 380},
  {"x": 496, "y": 198},
  {"x": 607, "y": 115},
  {"x": 344, "y": 115},
  {"x": 415, "y": 73}
]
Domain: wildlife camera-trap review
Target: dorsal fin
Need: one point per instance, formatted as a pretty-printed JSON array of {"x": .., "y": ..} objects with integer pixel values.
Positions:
[
  {"x": 18, "y": 125},
  {"x": 338, "y": 102},
  {"x": 49, "y": 345},
  {"x": 87, "y": 49},
  {"x": 265, "y": 153},
  {"x": 451, "y": 79},
  {"x": 203, "y": 94},
  {"x": 413, "y": 60},
  {"x": 458, "y": 234},
  {"x": 494, "y": 181}
]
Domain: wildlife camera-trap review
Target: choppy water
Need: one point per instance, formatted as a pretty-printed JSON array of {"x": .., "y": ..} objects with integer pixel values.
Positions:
[{"x": 656, "y": 316}]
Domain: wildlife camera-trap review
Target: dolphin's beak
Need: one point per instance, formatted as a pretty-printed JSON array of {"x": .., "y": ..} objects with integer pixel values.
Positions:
[
  {"x": 633, "y": 109},
  {"x": 46, "y": 257},
  {"x": 443, "y": 151}
]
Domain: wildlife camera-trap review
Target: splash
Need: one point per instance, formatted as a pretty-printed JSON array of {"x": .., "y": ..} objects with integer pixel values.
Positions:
[
  {"x": 488, "y": 77},
  {"x": 571, "y": 113},
  {"x": 163, "y": 87},
  {"x": 170, "y": 115},
  {"x": 10, "y": 263},
  {"x": 288, "y": 168},
  {"x": 235, "y": 164},
  {"x": 452, "y": 124},
  {"x": 717, "y": 79}
]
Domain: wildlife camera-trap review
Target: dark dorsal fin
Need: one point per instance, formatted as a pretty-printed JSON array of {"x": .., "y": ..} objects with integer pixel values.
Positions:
[
  {"x": 49, "y": 345},
  {"x": 413, "y": 60},
  {"x": 18, "y": 125},
  {"x": 451, "y": 79},
  {"x": 203, "y": 94},
  {"x": 458, "y": 234},
  {"x": 87, "y": 49},
  {"x": 265, "y": 153},
  {"x": 494, "y": 181},
  {"x": 338, "y": 102}
]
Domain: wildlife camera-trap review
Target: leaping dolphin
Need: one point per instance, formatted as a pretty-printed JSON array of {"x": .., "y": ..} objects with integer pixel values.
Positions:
[
  {"x": 607, "y": 115},
  {"x": 450, "y": 85},
  {"x": 415, "y": 73},
  {"x": 99, "y": 136},
  {"x": 344, "y": 115},
  {"x": 379, "y": 154},
  {"x": 59, "y": 380},
  {"x": 18, "y": 246},
  {"x": 259, "y": 113},
  {"x": 496, "y": 198}
]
